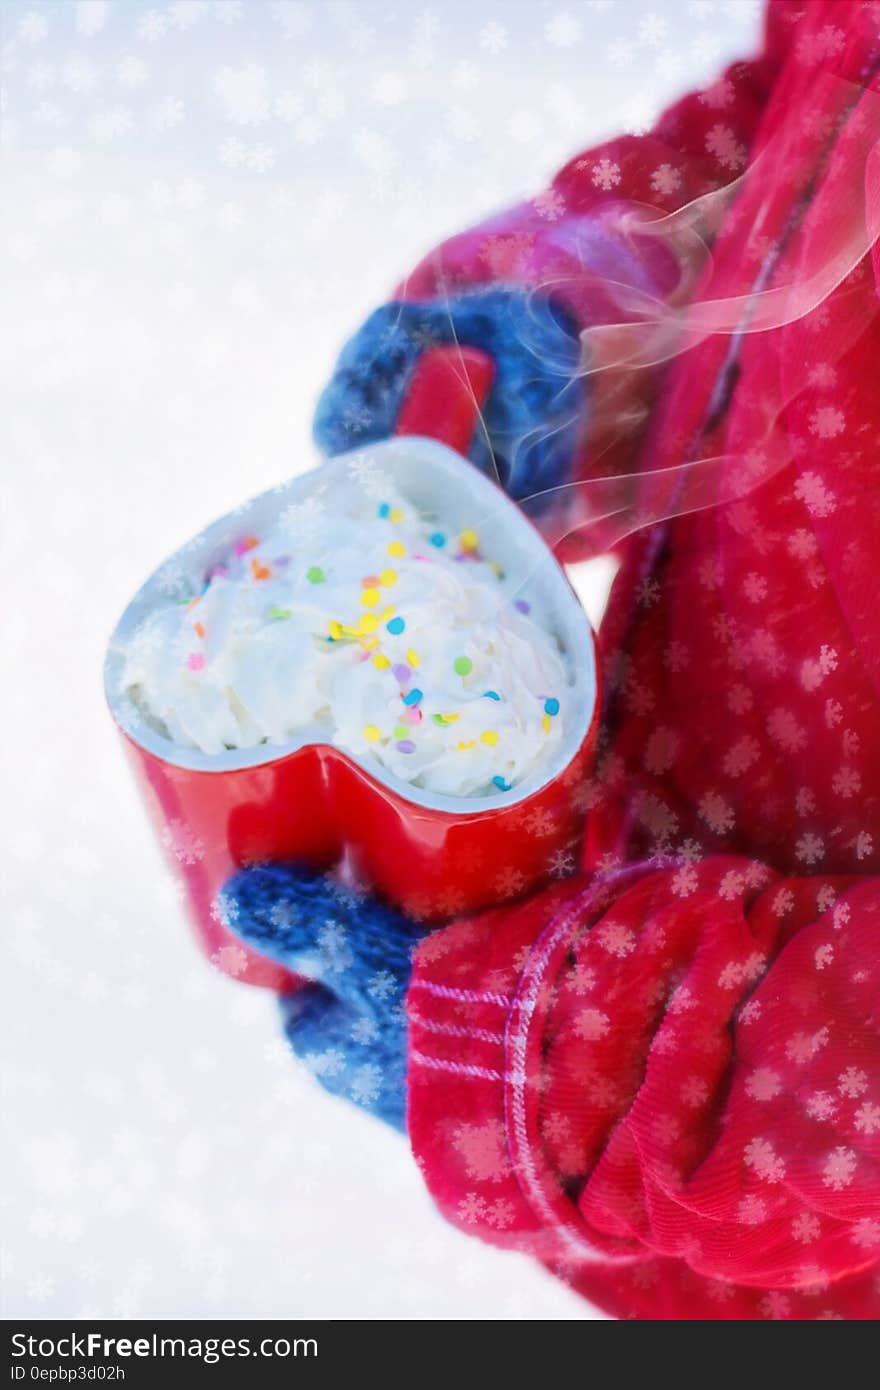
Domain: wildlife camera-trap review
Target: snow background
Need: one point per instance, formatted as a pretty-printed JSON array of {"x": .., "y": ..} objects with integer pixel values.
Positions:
[{"x": 200, "y": 201}]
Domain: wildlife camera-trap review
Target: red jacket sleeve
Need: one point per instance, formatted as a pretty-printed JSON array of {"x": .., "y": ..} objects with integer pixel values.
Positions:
[{"x": 664, "y": 1086}]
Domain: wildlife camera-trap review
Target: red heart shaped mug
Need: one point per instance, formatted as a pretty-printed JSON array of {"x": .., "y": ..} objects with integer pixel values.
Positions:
[{"x": 434, "y": 856}]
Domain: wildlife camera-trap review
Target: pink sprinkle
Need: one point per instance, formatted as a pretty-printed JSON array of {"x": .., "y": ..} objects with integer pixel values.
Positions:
[
  {"x": 413, "y": 715},
  {"x": 195, "y": 661}
]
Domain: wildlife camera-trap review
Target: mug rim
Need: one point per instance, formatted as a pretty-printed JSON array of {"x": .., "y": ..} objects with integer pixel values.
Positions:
[{"x": 457, "y": 473}]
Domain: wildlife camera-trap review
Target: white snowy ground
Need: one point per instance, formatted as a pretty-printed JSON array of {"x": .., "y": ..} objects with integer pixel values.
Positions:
[{"x": 200, "y": 201}]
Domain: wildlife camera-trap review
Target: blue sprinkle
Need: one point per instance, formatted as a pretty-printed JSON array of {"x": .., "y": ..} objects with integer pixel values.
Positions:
[
  {"x": 491, "y": 695},
  {"x": 438, "y": 539},
  {"x": 396, "y": 626},
  {"x": 500, "y": 783},
  {"x": 384, "y": 509},
  {"x": 412, "y": 697},
  {"x": 551, "y": 706}
]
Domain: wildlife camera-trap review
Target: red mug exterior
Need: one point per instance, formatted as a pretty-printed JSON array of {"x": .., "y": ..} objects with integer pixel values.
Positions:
[
  {"x": 433, "y": 857},
  {"x": 316, "y": 805}
]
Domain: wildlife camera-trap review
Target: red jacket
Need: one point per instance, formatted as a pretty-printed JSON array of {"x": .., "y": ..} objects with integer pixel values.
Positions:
[{"x": 662, "y": 1077}]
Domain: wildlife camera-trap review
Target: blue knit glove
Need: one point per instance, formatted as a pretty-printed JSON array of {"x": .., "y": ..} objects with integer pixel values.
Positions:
[
  {"x": 349, "y": 1025},
  {"x": 535, "y": 407}
]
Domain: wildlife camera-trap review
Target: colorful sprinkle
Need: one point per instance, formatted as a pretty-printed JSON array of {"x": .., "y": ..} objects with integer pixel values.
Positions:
[
  {"x": 401, "y": 731},
  {"x": 469, "y": 540},
  {"x": 402, "y": 672},
  {"x": 547, "y": 722},
  {"x": 260, "y": 571},
  {"x": 370, "y": 597},
  {"x": 279, "y": 613},
  {"x": 199, "y": 629},
  {"x": 335, "y": 630},
  {"x": 522, "y": 606},
  {"x": 396, "y": 626},
  {"x": 371, "y": 733},
  {"x": 388, "y": 612},
  {"x": 463, "y": 746},
  {"x": 551, "y": 707},
  {"x": 444, "y": 719},
  {"x": 315, "y": 575},
  {"x": 413, "y": 659},
  {"x": 490, "y": 737},
  {"x": 437, "y": 539},
  {"x": 406, "y": 745},
  {"x": 381, "y": 662},
  {"x": 388, "y": 578},
  {"x": 491, "y": 695},
  {"x": 396, "y": 549},
  {"x": 413, "y": 715},
  {"x": 368, "y": 623},
  {"x": 396, "y": 514},
  {"x": 500, "y": 783},
  {"x": 384, "y": 509},
  {"x": 249, "y": 543},
  {"x": 413, "y": 697},
  {"x": 196, "y": 661},
  {"x": 462, "y": 665}
]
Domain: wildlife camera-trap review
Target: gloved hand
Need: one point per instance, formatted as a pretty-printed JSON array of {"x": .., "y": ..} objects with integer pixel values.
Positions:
[
  {"x": 348, "y": 1025},
  {"x": 535, "y": 409}
]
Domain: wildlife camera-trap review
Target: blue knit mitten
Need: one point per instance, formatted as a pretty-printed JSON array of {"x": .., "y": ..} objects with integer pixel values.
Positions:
[
  {"x": 534, "y": 409},
  {"x": 349, "y": 1024}
]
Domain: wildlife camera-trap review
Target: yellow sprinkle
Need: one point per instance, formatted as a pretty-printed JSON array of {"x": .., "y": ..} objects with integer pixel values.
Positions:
[
  {"x": 368, "y": 643},
  {"x": 396, "y": 548},
  {"x": 388, "y": 612},
  {"x": 351, "y": 631},
  {"x": 387, "y": 578},
  {"x": 381, "y": 662},
  {"x": 412, "y": 658},
  {"x": 469, "y": 540},
  {"x": 370, "y": 597},
  {"x": 336, "y": 630},
  {"x": 368, "y": 623},
  {"x": 372, "y": 733},
  {"x": 546, "y": 722},
  {"x": 489, "y": 737},
  {"x": 396, "y": 514},
  {"x": 462, "y": 746},
  {"x": 449, "y": 718}
]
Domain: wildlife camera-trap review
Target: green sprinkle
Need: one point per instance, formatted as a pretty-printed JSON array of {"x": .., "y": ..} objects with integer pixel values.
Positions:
[
  {"x": 315, "y": 575},
  {"x": 462, "y": 665},
  {"x": 401, "y": 731},
  {"x": 279, "y": 613}
]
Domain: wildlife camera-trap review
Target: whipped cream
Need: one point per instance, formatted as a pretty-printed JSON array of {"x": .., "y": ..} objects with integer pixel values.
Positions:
[{"x": 359, "y": 622}]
